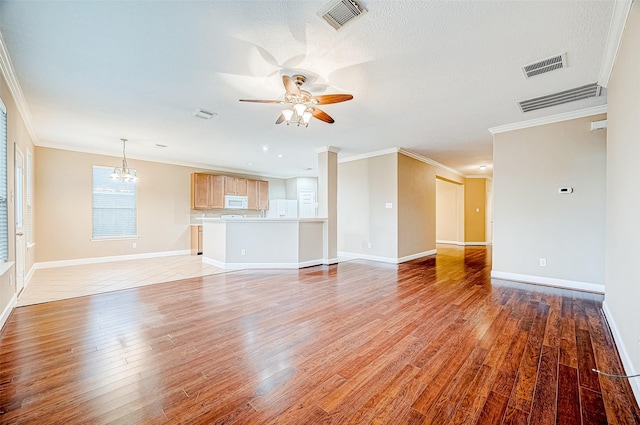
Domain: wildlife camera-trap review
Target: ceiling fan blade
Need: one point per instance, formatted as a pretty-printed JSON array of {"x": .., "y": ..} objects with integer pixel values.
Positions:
[
  {"x": 259, "y": 101},
  {"x": 322, "y": 116},
  {"x": 280, "y": 119},
  {"x": 290, "y": 86},
  {"x": 326, "y": 99}
]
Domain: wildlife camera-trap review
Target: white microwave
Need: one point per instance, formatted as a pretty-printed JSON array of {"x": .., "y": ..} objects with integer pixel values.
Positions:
[{"x": 234, "y": 202}]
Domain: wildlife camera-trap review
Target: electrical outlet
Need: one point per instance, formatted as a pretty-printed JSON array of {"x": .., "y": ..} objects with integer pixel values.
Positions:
[
  {"x": 368, "y": 244},
  {"x": 243, "y": 252},
  {"x": 135, "y": 245},
  {"x": 543, "y": 262}
]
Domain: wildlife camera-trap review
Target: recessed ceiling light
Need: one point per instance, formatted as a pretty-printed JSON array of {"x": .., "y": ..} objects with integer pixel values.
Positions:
[
  {"x": 265, "y": 148},
  {"x": 249, "y": 163},
  {"x": 483, "y": 167},
  {"x": 280, "y": 155},
  {"x": 308, "y": 169},
  {"x": 158, "y": 145}
]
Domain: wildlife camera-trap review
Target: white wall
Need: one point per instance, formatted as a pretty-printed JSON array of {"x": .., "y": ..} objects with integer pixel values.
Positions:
[
  {"x": 532, "y": 221},
  {"x": 623, "y": 199},
  {"x": 364, "y": 187}
]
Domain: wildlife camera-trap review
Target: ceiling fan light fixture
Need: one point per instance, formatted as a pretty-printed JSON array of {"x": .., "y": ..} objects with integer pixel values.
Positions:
[
  {"x": 300, "y": 108},
  {"x": 288, "y": 114},
  {"x": 306, "y": 117}
]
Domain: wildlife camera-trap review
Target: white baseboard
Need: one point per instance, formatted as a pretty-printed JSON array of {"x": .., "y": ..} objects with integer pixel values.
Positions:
[
  {"x": 330, "y": 261},
  {"x": 459, "y": 243},
  {"x": 450, "y": 242},
  {"x": 8, "y": 309},
  {"x": 549, "y": 281},
  {"x": 243, "y": 266},
  {"x": 391, "y": 260},
  {"x": 622, "y": 350},
  {"x": 95, "y": 260}
]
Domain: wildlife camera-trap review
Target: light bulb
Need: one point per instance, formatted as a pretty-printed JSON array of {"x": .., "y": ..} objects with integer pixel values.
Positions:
[{"x": 114, "y": 175}]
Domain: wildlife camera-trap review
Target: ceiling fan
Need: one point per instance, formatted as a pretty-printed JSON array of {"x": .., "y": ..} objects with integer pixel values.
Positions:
[{"x": 302, "y": 105}]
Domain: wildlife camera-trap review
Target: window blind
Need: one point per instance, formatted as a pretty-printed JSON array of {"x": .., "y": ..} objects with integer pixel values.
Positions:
[
  {"x": 4, "y": 234},
  {"x": 114, "y": 206}
]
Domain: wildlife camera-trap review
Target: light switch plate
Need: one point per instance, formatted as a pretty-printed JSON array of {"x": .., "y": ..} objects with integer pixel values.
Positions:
[{"x": 388, "y": 205}]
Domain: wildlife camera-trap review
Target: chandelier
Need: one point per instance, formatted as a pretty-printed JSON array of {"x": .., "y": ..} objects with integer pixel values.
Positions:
[{"x": 125, "y": 173}]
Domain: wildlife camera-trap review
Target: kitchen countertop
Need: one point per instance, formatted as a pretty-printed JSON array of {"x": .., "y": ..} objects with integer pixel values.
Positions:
[{"x": 258, "y": 219}]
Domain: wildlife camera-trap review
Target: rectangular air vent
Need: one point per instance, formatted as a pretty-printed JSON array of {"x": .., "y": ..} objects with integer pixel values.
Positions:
[
  {"x": 340, "y": 12},
  {"x": 583, "y": 92},
  {"x": 204, "y": 114},
  {"x": 545, "y": 65}
]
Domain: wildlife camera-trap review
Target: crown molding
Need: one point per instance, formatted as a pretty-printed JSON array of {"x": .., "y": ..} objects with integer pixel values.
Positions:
[
  {"x": 478, "y": 176},
  {"x": 429, "y": 161},
  {"x": 196, "y": 165},
  {"x": 368, "y": 155},
  {"x": 6, "y": 68},
  {"x": 328, "y": 149},
  {"x": 404, "y": 152},
  {"x": 581, "y": 113},
  {"x": 619, "y": 16}
]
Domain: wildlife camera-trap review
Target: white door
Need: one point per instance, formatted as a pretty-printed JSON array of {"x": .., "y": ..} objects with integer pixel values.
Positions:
[
  {"x": 19, "y": 203},
  {"x": 308, "y": 203}
]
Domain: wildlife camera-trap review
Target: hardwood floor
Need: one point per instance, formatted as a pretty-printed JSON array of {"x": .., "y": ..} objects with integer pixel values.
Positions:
[{"x": 430, "y": 341}]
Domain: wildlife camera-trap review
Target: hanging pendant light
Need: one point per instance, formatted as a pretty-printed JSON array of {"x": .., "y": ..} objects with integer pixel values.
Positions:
[{"x": 125, "y": 173}]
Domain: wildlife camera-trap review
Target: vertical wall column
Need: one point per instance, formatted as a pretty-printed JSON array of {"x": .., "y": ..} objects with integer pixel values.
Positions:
[{"x": 328, "y": 201}]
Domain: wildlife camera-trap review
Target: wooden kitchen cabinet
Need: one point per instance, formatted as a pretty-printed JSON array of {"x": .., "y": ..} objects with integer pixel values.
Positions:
[
  {"x": 258, "y": 194},
  {"x": 263, "y": 195},
  {"x": 196, "y": 240},
  {"x": 252, "y": 194},
  {"x": 207, "y": 191},
  {"x": 235, "y": 186}
]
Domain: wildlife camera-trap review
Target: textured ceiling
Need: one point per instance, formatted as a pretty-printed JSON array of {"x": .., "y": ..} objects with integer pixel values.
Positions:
[{"x": 427, "y": 76}]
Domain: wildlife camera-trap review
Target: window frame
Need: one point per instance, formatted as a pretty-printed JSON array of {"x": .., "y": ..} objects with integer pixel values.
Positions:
[{"x": 95, "y": 238}]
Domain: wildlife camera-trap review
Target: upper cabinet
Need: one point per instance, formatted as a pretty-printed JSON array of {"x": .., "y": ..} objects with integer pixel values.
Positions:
[
  {"x": 258, "y": 194},
  {"x": 208, "y": 191},
  {"x": 235, "y": 186}
]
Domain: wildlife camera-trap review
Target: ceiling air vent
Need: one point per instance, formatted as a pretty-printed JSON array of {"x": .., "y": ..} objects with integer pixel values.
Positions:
[
  {"x": 583, "y": 92},
  {"x": 545, "y": 65},
  {"x": 340, "y": 12},
  {"x": 204, "y": 114}
]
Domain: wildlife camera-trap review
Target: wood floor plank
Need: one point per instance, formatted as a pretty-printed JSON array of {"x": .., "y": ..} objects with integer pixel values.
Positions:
[
  {"x": 544, "y": 406},
  {"x": 432, "y": 340},
  {"x": 568, "y": 404}
]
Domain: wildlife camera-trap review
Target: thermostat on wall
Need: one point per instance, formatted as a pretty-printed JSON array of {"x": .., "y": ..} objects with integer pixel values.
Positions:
[{"x": 565, "y": 190}]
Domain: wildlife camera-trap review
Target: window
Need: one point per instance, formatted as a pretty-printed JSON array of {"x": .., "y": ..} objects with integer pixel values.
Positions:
[
  {"x": 29, "y": 207},
  {"x": 114, "y": 206},
  {"x": 4, "y": 233}
]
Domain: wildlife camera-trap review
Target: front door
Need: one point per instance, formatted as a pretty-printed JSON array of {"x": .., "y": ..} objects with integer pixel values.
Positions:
[{"x": 19, "y": 203}]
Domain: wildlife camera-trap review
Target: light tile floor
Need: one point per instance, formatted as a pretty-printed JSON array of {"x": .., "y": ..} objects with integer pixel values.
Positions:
[{"x": 76, "y": 281}]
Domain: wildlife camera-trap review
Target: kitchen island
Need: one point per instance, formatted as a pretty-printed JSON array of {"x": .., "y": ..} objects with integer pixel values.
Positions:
[{"x": 250, "y": 243}]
